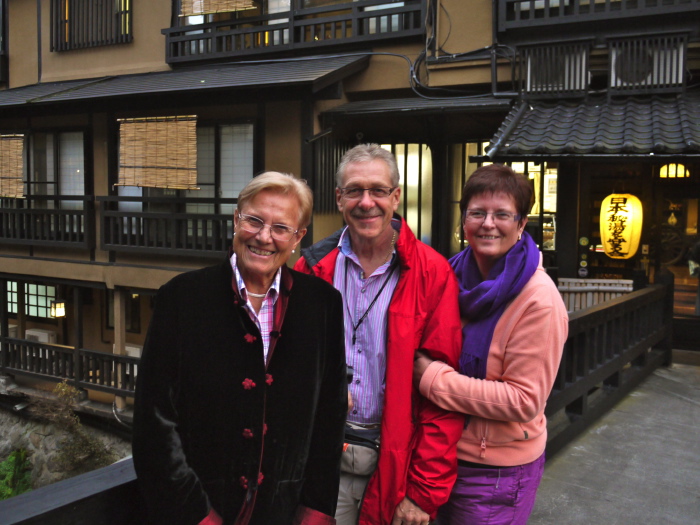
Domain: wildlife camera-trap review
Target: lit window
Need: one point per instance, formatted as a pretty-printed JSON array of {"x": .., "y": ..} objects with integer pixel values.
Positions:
[
  {"x": 674, "y": 171},
  {"x": 37, "y": 299}
]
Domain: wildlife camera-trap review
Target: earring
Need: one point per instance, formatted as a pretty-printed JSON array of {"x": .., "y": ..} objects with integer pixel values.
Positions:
[
  {"x": 520, "y": 235},
  {"x": 294, "y": 251}
]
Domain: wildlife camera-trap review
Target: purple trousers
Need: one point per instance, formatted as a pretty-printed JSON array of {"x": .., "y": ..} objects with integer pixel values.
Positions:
[{"x": 492, "y": 496}]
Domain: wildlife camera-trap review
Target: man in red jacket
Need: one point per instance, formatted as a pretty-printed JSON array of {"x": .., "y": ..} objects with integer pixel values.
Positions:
[{"x": 399, "y": 296}]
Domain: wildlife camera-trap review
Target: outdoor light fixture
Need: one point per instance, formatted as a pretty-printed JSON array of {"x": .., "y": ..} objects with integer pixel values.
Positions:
[
  {"x": 620, "y": 225},
  {"x": 673, "y": 171},
  {"x": 58, "y": 309}
]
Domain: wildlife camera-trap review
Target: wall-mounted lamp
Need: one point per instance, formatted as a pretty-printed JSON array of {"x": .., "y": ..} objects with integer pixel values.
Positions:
[
  {"x": 620, "y": 225},
  {"x": 58, "y": 309}
]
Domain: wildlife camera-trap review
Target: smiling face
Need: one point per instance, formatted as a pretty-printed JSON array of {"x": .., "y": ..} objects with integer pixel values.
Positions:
[
  {"x": 490, "y": 240},
  {"x": 368, "y": 218},
  {"x": 258, "y": 255}
]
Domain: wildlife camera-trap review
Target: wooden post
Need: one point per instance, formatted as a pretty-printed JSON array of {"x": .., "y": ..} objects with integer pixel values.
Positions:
[
  {"x": 120, "y": 337},
  {"x": 665, "y": 277},
  {"x": 78, "y": 337},
  {"x": 4, "y": 326}
]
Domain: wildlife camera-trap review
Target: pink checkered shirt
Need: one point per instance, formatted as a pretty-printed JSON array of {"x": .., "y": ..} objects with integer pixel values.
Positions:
[{"x": 265, "y": 318}]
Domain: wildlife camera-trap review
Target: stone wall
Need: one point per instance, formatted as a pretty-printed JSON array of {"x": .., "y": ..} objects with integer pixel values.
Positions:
[{"x": 42, "y": 440}]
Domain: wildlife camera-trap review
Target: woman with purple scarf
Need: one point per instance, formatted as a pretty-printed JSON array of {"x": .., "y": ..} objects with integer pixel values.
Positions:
[{"x": 514, "y": 327}]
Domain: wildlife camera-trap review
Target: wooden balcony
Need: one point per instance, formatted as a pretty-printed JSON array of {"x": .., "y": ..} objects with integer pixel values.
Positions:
[
  {"x": 85, "y": 369},
  {"x": 610, "y": 349},
  {"x": 516, "y": 15},
  {"x": 170, "y": 230},
  {"x": 48, "y": 221},
  {"x": 360, "y": 22}
]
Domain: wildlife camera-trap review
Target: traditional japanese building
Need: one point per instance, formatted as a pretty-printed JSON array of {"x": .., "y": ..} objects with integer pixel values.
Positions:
[{"x": 129, "y": 127}]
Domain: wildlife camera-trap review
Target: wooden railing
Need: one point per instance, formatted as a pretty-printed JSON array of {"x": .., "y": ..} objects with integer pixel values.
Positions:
[
  {"x": 610, "y": 349},
  {"x": 108, "y": 496},
  {"x": 359, "y": 22},
  {"x": 171, "y": 231},
  {"x": 40, "y": 220},
  {"x": 85, "y": 369},
  {"x": 518, "y": 14},
  {"x": 584, "y": 293}
]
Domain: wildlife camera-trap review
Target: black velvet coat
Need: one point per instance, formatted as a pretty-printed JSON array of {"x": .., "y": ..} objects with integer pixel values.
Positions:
[{"x": 213, "y": 425}]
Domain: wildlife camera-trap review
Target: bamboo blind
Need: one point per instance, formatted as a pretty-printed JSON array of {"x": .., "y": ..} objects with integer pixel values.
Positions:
[
  {"x": 205, "y": 7},
  {"x": 11, "y": 166},
  {"x": 158, "y": 152}
]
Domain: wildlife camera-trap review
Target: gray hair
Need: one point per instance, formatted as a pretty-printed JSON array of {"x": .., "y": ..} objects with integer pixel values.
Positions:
[
  {"x": 283, "y": 184},
  {"x": 367, "y": 153}
]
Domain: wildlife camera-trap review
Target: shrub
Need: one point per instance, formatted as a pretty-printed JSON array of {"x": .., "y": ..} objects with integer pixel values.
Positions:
[
  {"x": 15, "y": 474},
  {"x": 79, "y": 452}
]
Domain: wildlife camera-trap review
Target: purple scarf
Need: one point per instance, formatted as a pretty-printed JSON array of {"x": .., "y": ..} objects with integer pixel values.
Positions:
[{"x": 483, "y": 302}]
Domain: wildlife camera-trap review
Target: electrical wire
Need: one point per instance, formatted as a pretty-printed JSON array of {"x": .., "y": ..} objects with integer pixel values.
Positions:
[{"x": 114, "y": 411}]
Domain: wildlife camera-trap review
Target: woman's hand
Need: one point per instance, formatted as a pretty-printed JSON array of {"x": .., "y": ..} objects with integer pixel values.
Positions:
[{"x": 420, "y": 363}]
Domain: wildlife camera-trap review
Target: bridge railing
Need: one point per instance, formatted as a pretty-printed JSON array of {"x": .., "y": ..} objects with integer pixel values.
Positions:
[{"x": 610, "y": 349}]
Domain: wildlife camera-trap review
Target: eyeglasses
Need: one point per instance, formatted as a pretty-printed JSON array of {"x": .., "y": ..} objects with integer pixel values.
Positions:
[
  {"x": 253, "y": 224},
  {"x": 497, "y": 216},
  {"x": 375, "y": 193}
]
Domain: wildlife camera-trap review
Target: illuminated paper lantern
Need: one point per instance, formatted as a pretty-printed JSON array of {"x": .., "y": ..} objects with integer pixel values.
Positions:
[{"x": 620, "y": 225}]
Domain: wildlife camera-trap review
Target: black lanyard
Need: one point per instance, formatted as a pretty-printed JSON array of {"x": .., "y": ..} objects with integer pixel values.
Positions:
[{"x": 345, "y": 295}]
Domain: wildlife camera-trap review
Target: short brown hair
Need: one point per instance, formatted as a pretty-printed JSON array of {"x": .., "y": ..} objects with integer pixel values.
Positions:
[
  {"x": 283, "y": 184},
  {"x": 497, "y": 178}
]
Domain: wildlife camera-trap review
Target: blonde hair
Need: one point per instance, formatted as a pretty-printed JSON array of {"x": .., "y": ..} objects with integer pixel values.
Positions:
[{"x": 283, "y": 184}]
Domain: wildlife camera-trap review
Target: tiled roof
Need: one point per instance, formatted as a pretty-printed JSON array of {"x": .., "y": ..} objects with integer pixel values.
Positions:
[
  {"x": 315, "y": 72},
  {"x": 422, "y": 106},
  {"x": 665, "y": 125}
]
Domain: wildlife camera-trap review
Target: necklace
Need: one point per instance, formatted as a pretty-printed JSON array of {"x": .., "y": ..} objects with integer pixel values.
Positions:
[
  {"x": 258, "y": 295},
  {"x": 388, "y": 255},
  {"x": 391, "y": 248}
]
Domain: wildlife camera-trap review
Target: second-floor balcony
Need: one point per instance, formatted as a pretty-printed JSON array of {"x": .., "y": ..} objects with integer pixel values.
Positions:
[
  {"x": 43, "y": 220},
  {"x": 165, "y": 225},
  {"x": 306, "y": 25},
  {"x": 200, "y": 227},
  {"x": 515, "y": 16}
]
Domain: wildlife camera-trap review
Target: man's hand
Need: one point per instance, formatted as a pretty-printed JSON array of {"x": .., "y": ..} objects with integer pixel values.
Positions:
[
  {"x": 408, "y": 513},
  {"x": 421, "y": 361},
  {"x": 350, "y": 403}
]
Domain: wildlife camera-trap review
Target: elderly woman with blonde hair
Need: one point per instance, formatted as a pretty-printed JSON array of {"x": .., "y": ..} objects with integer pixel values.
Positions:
[{"x": 241, "y": 396}]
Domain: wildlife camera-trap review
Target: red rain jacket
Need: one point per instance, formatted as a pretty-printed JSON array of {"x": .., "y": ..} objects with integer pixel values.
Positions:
[{"x": 417, "y": 456}]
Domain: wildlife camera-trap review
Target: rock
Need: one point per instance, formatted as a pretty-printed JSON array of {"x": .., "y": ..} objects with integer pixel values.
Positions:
[{"x": 41, "y": 440}]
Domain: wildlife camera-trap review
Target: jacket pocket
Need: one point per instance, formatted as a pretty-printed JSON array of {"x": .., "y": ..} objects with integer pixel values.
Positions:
[
  {"x": 287, "y": 493},
  {"x": 492, "y": 432}
]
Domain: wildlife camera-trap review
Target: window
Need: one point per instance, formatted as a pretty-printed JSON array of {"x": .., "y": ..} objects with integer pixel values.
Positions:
[
  {"x": 77, "y": 24},
  {"x": 37, "y": 299},
  {"x": 202, "y": 7},
  {"x": 133, "y": 312},
  {"x": 158, "y": 152},
  {"x": 57, "y": 167},
  {"x": 461, "y": 169},
  {"x": 416, "y": 181},
  {"x": 12, "y": 166},
  {"x": 224, "y": 167},
  {"x": 224, "y": 164}
]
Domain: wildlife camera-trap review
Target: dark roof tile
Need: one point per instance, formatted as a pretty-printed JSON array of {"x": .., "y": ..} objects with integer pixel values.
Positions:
[{"x": 640, "y": 125}]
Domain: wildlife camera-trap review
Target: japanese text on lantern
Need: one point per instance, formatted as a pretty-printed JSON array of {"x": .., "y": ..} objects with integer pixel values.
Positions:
[{"x": 617, "y": 223}]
